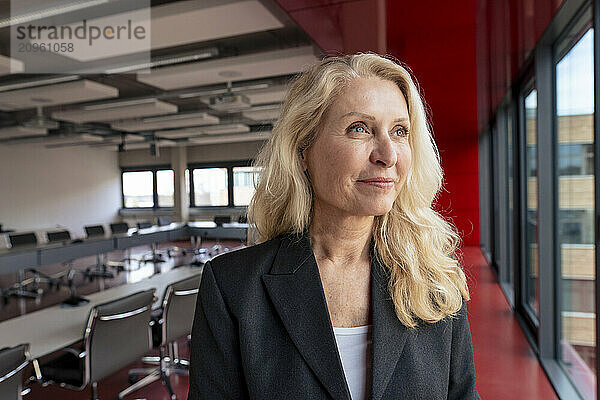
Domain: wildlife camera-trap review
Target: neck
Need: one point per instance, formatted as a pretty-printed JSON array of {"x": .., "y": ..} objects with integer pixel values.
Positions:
[{"x": 339, "y": 238}]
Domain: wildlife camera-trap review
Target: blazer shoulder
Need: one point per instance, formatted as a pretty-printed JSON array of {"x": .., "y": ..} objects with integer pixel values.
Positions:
[{"x": 244, "y": 263}]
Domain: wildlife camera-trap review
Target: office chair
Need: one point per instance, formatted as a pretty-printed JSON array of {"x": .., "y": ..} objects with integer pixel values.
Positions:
[
  {"x": 20, "y": 288},
  {"x": 171, "y": 323},
  {"x": 69, "y": 273},
  {"x": 117, "y": 333},
  {"x": 100, "y": 269},
  {"x": 156, "y": 256},
  {"x": 12, "y": 362},
  {"x": 120, "y": 228}
]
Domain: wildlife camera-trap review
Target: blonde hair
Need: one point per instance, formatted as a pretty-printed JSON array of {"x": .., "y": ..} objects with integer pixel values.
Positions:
[{"x": 415, "y": 243}]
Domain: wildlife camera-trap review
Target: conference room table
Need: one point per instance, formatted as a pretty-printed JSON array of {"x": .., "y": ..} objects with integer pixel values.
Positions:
[
  {"x": 54, "y": 328},
  {"x": 20, "y": 258}
]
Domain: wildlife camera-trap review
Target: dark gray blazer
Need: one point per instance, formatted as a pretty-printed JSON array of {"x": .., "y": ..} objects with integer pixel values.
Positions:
[{"x": 262, "y": 331}]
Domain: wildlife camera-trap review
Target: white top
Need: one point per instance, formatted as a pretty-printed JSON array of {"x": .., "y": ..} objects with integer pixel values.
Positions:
[{"x": 354, "y": 345}]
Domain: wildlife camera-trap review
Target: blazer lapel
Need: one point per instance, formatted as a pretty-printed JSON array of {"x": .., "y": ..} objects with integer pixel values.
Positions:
[
  {"x": 296, "y": 290},
  {"x": 389, "y": 334}
]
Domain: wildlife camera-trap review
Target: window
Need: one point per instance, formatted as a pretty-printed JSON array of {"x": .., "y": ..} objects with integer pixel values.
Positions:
[
  {"x": 575, "y": 182},
  {"x": 165, "y": 187},
  {"x": 244, "y": 181},
  {"x": 210, "y": 187},
  {"x": 138, "y": 189},
  {"x": 148, "y": 187},
  {"x": 530, "y": 282}
]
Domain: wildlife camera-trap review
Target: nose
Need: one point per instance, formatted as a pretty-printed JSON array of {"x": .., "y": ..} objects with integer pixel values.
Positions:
[{"x": 384, "y": 152}]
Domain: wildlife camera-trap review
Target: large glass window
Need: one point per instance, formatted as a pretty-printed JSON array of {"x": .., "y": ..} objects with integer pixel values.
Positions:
[
  {"x": 165, "y": 187},
  {"x": 575, "y": 140},
  {"x": 244, "y": 181},
  {"x": 210, "y": 187},
  {"x": 138, "y": 189},
  {"x": 531, "y": 281}
]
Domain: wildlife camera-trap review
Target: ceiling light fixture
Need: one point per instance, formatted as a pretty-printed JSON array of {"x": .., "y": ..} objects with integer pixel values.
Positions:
[
  {"x": 223, "y": 91},
  {"x": 36, "y": 15},
  {"x": 39, "y": 82},
  {"x": 160, "y": 62}
]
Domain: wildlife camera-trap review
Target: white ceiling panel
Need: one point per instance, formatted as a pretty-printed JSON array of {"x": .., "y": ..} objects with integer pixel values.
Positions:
[
  {"x": 170, "y": 121},
  {"x": 50, "y": 95},
  {"x": 10, "y": 65},
  {"x": 21, "y": 131},
  {"x": 271, "y": 95},
  {"x": 254, "y": 66},
  {"x": 248, "y": 137},
  {"x": 146, "y": 145},
  {"x": 116, "y": 111},
  {"x": 205, "y": 130},
  {"x": 69, "y": 140},
  {"x": 197, "y": 21},
  {"x": 262, "y": 115}
]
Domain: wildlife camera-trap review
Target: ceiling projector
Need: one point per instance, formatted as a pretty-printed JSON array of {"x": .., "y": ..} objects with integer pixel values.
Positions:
[{"x": 229, "y": 102}]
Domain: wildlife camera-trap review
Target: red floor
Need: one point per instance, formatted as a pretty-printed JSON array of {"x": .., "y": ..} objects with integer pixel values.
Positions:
[{"x": 505, "y": 365}]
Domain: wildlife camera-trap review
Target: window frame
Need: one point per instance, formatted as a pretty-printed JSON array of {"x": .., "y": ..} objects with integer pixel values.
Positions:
[
  {"x": 228, "y": 165},
  {"x": 153, "y": 169}
]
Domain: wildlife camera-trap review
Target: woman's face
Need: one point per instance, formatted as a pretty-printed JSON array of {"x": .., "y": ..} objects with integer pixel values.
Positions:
[{"x": 361, "y": 155}]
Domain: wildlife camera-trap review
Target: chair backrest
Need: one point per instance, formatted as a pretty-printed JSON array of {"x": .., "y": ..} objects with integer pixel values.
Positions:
[
  {"x": 179, "y": 304},
  {"x": 144, "y": 225},
  {"x": 58, "y": 236},
  {"x": 117, "y": 334},
  {"x": 119, "y": 227},
  {"x": 163, "y": 221},
  {"x": 23, "y": 239},
  {"x": 222, "y": 219},
  {"x": 94, "y": 230},
  {"x": 12, "y": 362}
]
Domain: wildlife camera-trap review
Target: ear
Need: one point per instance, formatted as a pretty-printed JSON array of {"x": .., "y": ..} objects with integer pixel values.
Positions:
[{"x": 302, "y": 155}]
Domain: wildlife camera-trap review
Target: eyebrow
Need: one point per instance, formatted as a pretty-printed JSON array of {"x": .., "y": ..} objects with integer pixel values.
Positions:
[{"x": 369, "y": 117}]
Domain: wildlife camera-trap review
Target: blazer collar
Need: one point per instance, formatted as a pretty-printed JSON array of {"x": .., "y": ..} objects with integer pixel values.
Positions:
[{"x": 295, "y": 288}]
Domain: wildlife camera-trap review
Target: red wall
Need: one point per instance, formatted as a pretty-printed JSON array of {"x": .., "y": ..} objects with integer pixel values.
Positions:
[{"x": 437, "y": 40}]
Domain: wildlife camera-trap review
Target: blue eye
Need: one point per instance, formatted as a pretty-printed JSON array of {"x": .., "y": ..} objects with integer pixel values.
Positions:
[
  {"x": 403, "y": 131},
  {"x": 360, "y": 128}
]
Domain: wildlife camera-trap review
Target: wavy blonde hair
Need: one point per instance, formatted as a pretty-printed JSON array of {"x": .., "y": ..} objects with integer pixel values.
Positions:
[{"x": 415, "y": 243}]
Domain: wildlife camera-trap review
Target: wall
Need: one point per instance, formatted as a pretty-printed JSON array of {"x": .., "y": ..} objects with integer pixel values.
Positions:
[
  {"x": 507, "y": 32},
  {"x": 71, "y": 187},
  {"x": 437, "y": 41}
]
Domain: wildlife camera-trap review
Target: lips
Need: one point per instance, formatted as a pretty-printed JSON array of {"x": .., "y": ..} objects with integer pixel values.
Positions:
[{"x": 382, "y": 180}]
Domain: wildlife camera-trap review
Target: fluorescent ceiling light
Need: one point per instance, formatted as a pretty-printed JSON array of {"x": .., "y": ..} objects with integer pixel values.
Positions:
[
  {"x": 38, "y": 82},
  {"x": 208, "y": 53},
  {"x": 165, "y": 122},
  {"x": 49, "y": 12},
  {"x": 117, "y": 111},
  {"x": 223, "y": 91},
  {"x": 249, "y": 137}
]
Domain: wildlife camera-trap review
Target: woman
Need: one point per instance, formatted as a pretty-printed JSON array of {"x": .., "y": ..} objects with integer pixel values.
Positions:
[{"x": 353, "y": 292}]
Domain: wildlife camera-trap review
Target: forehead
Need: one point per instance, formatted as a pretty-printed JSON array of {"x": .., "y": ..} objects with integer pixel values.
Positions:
[{"x": 373, "y": 96}]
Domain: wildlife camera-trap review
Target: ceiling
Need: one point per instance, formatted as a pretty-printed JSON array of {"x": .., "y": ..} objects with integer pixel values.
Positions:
[{"x": 215, "y": 72}]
